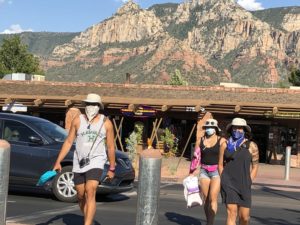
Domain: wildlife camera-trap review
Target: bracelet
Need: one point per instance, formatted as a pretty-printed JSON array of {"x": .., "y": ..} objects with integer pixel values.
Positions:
[{"x": 112, "y": 169}]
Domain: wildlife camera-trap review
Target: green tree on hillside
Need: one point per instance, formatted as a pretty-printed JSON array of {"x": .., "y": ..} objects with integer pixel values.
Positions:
[
  {"x": 15, "y": 58},
  {"x": 295, "y": 77},
  {"x": 177, "y": 79}
]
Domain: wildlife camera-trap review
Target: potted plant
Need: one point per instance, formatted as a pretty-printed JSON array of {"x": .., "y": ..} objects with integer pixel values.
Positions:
[
  {"x": 134, "y": 143},
  {"x": 168, "y": 139}
]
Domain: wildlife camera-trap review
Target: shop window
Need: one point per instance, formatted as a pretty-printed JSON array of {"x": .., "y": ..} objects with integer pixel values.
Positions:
[{"x": 288, "y": 137}]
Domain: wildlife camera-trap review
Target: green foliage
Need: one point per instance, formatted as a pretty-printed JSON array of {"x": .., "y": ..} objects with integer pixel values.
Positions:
[
  {"x": 134, "y": 139},
  {"x": 295, "y": 77},
  {"x": 181, "y": 30},
  {"x": 274, "y": 16},
  {"x": 42, "y": 43},
  {"x": 131, "y": 143},
  {"x": 177, "y": 79},
  {"x": 15, "y": 58},
  {"x": 168, "y": 139},
  {"x": 162, "y": 10},
  {"x": 139, "y": 128}
]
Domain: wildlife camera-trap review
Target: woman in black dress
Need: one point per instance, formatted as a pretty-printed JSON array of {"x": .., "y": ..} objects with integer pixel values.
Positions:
[{"x": 238, "y": 165}]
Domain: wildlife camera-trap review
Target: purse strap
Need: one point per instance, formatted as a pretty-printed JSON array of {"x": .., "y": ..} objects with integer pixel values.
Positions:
[
  {"x": 104, "y": 119},
  {"x": 98, "y": 133},
  {"x": 245, "y": 144}
]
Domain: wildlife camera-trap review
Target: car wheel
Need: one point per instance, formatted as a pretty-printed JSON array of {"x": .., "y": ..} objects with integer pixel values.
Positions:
[{"x": 63, "y": 186}]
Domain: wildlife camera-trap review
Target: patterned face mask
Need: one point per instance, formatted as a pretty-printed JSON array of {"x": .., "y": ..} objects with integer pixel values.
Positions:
[
  {"x": 91, "y": 111},
  {"x": 210, "y": 131},
  {"x": 237, "y": 134}
]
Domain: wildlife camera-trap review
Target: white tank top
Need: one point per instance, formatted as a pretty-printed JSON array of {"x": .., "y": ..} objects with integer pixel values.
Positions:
[{"x": 86, "y": 135}]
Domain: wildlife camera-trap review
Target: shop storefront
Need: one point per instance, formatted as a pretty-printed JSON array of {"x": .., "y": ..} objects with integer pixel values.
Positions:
[{"x": 273, "y": 114}]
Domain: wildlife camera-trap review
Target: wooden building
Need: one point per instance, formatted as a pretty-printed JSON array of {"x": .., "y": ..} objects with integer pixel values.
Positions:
[{"x": 272, "y": 113}]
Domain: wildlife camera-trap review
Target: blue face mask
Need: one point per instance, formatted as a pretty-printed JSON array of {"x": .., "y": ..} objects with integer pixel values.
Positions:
[
  {"x": 237, "y": 134},
  {"x": 210, "y": 131}
]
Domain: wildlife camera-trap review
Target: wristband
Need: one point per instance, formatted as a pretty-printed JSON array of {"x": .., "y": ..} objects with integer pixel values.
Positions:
[{"x": 112, "y": 169}]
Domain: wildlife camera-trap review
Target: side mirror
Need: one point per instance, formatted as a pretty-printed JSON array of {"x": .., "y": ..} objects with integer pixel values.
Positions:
[{"x": 36, "y": 140}]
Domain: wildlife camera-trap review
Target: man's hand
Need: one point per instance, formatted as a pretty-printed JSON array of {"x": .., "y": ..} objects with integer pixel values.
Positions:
[
  {"x": 110, "y": 174},
  {"x": 57, "y": 167}
]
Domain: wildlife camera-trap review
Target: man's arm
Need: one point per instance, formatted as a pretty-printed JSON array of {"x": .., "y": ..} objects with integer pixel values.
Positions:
[
  {"x": 67, "y": 144},
  {"x": 255, "y": 159},
  {"x": 110, "y": 147}
]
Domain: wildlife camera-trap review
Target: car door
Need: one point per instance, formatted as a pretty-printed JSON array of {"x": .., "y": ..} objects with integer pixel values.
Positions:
[{"x": 28, "y": 160}]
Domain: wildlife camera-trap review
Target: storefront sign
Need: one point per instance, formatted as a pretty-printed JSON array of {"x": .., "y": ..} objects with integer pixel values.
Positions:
[
  {"x": 271, "y": 135},
  {"x": 141, "y": 111},
  {"x": 287, "y": 115},
  {"x": 14, "y": 107}
]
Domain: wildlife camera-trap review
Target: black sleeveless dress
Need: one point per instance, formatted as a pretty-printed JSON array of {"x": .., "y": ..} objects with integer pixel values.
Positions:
[{"x": 235, "y": 178}]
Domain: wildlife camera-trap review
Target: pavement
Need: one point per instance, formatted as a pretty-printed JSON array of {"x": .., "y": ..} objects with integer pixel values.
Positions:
[{"x": 269, "y": 176}]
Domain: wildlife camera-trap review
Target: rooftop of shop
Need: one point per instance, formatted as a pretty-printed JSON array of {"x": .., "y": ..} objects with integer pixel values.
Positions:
[{"x": 217, "y": 99}]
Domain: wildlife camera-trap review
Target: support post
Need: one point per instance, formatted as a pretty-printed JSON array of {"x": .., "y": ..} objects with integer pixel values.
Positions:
[
  {"x": 188, "y": 140},
  {"x": 148, "y": 187},
  {"x": 118, "y": 135},
  {"x": 287, "y": 162},
  {"x": 4, "y": 177}
]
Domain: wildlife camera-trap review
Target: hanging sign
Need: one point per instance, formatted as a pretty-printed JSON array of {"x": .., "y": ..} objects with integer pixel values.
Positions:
[
  {"x": 141, "y": 111},
  {"x": 14, "y": 107}
]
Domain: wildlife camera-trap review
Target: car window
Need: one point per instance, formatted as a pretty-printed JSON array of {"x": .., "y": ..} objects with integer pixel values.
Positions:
[
  {"x": 16, "y": 131},
  {"x": 52, "y": 130}
]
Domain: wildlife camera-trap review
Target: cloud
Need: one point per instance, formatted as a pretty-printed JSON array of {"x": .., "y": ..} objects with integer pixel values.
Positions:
[
  {"x": 117, "y": 1},
  {"x": 123, "y": 1},
  {"x": 14, "y": 29},
  {"x": 2, "y": 2},
  {"x": 250, "y": 5}
]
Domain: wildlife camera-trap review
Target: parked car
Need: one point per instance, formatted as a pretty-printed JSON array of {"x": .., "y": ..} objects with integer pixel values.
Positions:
[{"x": 35, "y": 144}]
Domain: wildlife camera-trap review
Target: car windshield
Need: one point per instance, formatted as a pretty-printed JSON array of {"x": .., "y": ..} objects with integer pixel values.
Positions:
[{"x": 54, "y": 131}]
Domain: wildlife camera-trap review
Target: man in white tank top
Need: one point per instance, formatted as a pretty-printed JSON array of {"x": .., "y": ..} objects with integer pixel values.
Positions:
[{"x": 94, "y": 136}]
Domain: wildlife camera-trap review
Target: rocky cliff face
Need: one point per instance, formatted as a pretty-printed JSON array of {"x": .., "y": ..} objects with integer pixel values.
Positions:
[
  {"x": 129, "y": 24},
  {"x": 208, "y": 40}
]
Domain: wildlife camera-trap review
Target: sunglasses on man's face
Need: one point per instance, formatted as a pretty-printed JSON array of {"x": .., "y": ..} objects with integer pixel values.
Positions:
[{"x": 91, "y": 103}]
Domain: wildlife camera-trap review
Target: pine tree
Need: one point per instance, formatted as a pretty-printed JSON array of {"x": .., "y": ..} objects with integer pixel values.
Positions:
[
  {"x": 177, "y": 79},
  {"x": 295, "y": 77}
]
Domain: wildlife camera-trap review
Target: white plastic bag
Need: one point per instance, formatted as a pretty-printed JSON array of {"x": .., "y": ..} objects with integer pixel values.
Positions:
[{"x": 191, "y": 191}]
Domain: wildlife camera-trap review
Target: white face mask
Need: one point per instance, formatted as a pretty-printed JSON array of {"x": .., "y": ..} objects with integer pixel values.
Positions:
[
  {"x": 210, "y": 131},
  {"x": 91, "y": 111}
]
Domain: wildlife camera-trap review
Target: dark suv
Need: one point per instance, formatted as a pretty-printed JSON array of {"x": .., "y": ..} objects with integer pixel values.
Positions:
[{"x": 35, "y": 144}]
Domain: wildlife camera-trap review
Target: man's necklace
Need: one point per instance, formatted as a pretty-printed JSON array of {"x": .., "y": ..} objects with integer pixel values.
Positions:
[{"x": 90, "y": 122}]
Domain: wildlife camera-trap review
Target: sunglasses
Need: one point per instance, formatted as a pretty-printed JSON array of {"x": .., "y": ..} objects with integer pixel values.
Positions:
[
  {"x": 91, "y": 103},
  {"x": 210, "y": 123}
]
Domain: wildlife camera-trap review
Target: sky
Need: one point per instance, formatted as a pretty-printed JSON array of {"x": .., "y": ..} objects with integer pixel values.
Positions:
[{"x": 77, "y": 15}]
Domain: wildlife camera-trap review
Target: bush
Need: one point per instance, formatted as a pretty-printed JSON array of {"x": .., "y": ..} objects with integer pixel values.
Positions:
[
  {"x": 168, "y": 138},
  {"x": 135, "y": 138}
]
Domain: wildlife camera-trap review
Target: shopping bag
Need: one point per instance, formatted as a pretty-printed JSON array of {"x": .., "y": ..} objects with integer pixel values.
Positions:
[
  {"x": 191, "y": 191},
  {"x": 195, "y": 160}
]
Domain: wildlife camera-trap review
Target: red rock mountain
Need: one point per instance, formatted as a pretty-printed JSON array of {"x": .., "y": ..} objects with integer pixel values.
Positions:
[{"x": 209, "y": 41}]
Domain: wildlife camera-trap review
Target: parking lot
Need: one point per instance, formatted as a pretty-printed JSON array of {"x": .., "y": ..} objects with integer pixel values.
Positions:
[{"x": 270, "y": 206}]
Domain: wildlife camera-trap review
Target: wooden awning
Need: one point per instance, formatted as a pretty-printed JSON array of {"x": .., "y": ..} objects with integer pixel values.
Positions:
[{"x": 282, "y": 103}]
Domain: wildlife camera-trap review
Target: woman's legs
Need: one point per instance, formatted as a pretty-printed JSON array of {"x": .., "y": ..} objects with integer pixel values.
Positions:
[
  {"x": 232, "y": 210},
  {"x": 214, "y": 190},
  {"x": 204, "y": 184},
  {"x": 244, "y": 215}
]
